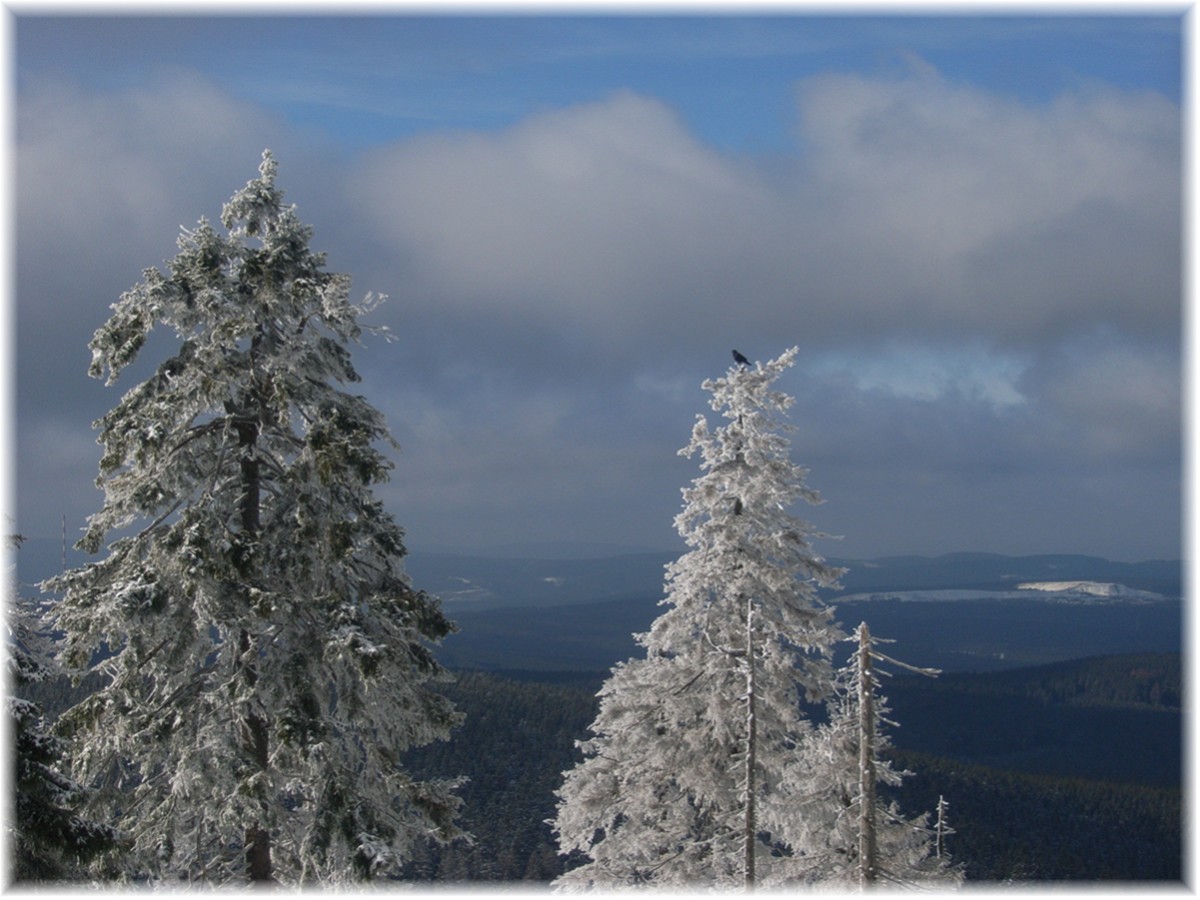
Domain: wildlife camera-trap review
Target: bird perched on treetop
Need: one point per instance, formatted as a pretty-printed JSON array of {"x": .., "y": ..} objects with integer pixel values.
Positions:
[{"x": 739, "y": 359}]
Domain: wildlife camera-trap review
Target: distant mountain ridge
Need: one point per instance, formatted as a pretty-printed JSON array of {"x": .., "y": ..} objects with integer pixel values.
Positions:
[
  {"x": 477, "y": 583},
  {"x": 579, "y": 614},
  {"x": 563, "y": 615},
  {"x": 990, "y": 571},
  {"x": 550, "y": 574}
]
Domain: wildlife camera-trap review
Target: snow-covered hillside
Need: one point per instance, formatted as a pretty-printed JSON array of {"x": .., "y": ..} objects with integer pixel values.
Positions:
[
  {"x": 1092, "y": 592},
  {"x": 1090, "y": 588}
]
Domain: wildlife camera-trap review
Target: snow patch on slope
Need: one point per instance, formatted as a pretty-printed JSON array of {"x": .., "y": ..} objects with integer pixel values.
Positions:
[
  {"x": 1093, "y": 588},
  {"x": 1080, "y": 592}
]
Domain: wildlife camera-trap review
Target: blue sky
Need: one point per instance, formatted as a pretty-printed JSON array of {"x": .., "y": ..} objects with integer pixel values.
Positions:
[
  {"x": 730, "y": 77},
  {"x": 970, "y": 224}
]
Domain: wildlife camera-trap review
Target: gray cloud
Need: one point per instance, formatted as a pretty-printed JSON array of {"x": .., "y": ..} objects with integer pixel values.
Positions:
[
  {"x": 916, "y": 206},
  {"x": 1106, "y": 398},
  {"x": 983, "y": 215},
  {"x": 987, "y": 294},
  {"x": 104, "y": 182},
  {"x": 608, "y": 218}
]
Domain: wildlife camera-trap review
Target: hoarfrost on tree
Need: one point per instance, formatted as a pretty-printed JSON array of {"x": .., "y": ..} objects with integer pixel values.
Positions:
[
  {"x": 50, "y": 840},
  {"x": 700, "y": 752},
  {"x": 842, "y": 807},
  {"x": 266, "y": 656}
]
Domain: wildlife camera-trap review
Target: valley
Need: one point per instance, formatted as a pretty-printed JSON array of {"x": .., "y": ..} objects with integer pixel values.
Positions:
[
  {"x": 962, "y": 612},
  {"x": 1040, "y": 766},
  {"x": 1055, "y": 727}
]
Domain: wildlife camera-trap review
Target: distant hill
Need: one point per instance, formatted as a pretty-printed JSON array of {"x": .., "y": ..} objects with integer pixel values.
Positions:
[
  {"x": 580, "y": 614},
  {"x": 477, "y": 583},
  {"x": 978, "y": 636},
  {"x": 1041, "y": 767},
  {"x": 984, "y": 635},
  {"x": 1114, "y": 718},
  {"x": 546, "y": 577},
  {"x": 473, "y": 582},
  {"x": 987, "y": 571},
  {"x": 581, "y": 637},
  {"x": 553, "y": 614}
]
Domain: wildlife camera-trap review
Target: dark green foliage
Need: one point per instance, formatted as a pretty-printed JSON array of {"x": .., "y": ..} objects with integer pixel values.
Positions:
[
  {"x": 1012, "y": 824},
  {"x": 1113, "y": 718},
  {"x": 51, "y": 840},
  {"x": 516, "y": 741},
  {"x": 1020, "y": 827}
]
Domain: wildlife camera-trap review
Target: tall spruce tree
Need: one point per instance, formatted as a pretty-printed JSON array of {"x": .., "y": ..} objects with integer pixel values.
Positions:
[
  {"x": 266, "y": 655},
  {"x": 700, "y": 751}
]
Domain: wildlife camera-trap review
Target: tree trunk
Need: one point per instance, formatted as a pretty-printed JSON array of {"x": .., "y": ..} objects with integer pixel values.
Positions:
[
  {"x": 751, "y": 750},
  {"x": 940, "y": 844},
  {"x": 253, "y": 727},
  {"x": 254, "y": 739},
  {"x": 866, "y": 761}
]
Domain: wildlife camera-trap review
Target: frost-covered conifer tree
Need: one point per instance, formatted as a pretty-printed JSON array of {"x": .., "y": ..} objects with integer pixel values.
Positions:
[
  {"x": 50, "y": 840},
  {"x": 699, "y": 754},
  {"x": 854, "y": 838},
  {"x": 267, "y": 656}
]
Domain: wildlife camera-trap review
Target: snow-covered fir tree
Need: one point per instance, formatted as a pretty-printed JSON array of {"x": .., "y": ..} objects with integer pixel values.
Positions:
[
  {"x": 266, "y": 655},
  {"x": 855, "y": 838},
  {"x": 700, "y": 751},
  {"x": 49, "y": 839}
]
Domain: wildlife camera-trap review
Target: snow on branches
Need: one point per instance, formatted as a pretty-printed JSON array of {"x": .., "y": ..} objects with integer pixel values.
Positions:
[
  {"x": 699, "y": 750},
  {"x": 265, "y": 654}
]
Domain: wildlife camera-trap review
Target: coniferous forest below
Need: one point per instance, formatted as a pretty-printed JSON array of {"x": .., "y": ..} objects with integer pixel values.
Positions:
[{"x": 1040, "y": 766}]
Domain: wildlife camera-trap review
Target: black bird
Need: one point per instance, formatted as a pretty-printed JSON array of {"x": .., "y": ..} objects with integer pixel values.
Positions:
[{"x": 739, "y": 359}]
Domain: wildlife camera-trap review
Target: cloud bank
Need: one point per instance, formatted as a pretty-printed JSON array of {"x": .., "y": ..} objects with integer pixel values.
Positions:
[{"x": 987, "y": 294}]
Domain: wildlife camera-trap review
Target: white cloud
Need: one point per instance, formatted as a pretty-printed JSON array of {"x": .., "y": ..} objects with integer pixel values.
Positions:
[
  {"x": 947, "y": 168},
  {"x": 928, "y": 372},
  {"x": 106, "y": 180},
  {"x": 914, "y": 206},
  {"x": 562, "y": 286},
  {"x": 979, "y": 213},
  {"x": 592, "y": 215},
  {"x": 92, "y": 163}
]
